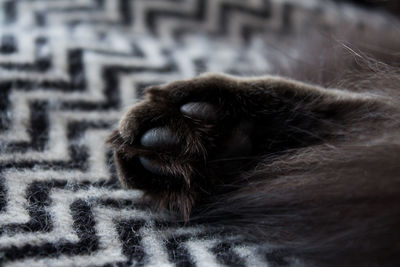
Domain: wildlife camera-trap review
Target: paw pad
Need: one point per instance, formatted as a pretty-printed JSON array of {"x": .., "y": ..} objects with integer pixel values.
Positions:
[
  {"x": 164, "y": 138},
  {"x": 200, "y": 110},
  {"x": 159, "y": 137},
  {"x": 151, "y": 167}
]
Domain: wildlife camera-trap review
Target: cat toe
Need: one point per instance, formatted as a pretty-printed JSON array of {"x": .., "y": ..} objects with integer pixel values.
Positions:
[
  {"x": 151, "y": 166},
  {"x": 161, "y": 137},
  {"x": 199, "y": 110}
]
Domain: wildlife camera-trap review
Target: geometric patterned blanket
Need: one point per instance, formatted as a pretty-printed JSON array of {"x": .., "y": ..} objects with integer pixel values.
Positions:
[{"x": 68, "y": 71}]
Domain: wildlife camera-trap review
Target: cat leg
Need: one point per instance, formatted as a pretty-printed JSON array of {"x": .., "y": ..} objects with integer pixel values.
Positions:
[{"x": 189, "y": 137}]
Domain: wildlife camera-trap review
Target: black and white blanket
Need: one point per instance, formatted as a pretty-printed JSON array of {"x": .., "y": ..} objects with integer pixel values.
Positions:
[{"x": 68, "y": 71}]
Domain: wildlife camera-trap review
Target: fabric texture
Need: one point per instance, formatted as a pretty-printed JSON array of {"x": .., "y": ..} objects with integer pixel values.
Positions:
[{"x": 68, "y": 71}]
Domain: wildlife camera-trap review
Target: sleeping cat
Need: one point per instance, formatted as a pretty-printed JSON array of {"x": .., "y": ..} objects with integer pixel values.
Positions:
[{"x": 308, "y": 160}]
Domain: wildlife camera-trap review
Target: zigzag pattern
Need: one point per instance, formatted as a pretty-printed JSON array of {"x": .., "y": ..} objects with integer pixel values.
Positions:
[
  {"x": 68, "y": 70},
  {"x": 169, "y": 18}
]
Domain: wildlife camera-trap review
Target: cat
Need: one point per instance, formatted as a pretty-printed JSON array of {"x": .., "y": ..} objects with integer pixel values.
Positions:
[{"x": 307, "y": 160}]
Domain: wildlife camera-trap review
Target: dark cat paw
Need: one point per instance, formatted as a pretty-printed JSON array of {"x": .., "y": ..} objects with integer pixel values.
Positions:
[
  {"x": 189, "y": 137},
  {"x": 181, "y": 137}
]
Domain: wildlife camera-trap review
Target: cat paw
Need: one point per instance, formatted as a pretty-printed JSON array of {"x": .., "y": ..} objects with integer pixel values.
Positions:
[
  {"x": 193, "y": 137},
  {"x": 183, "y": 138}
]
